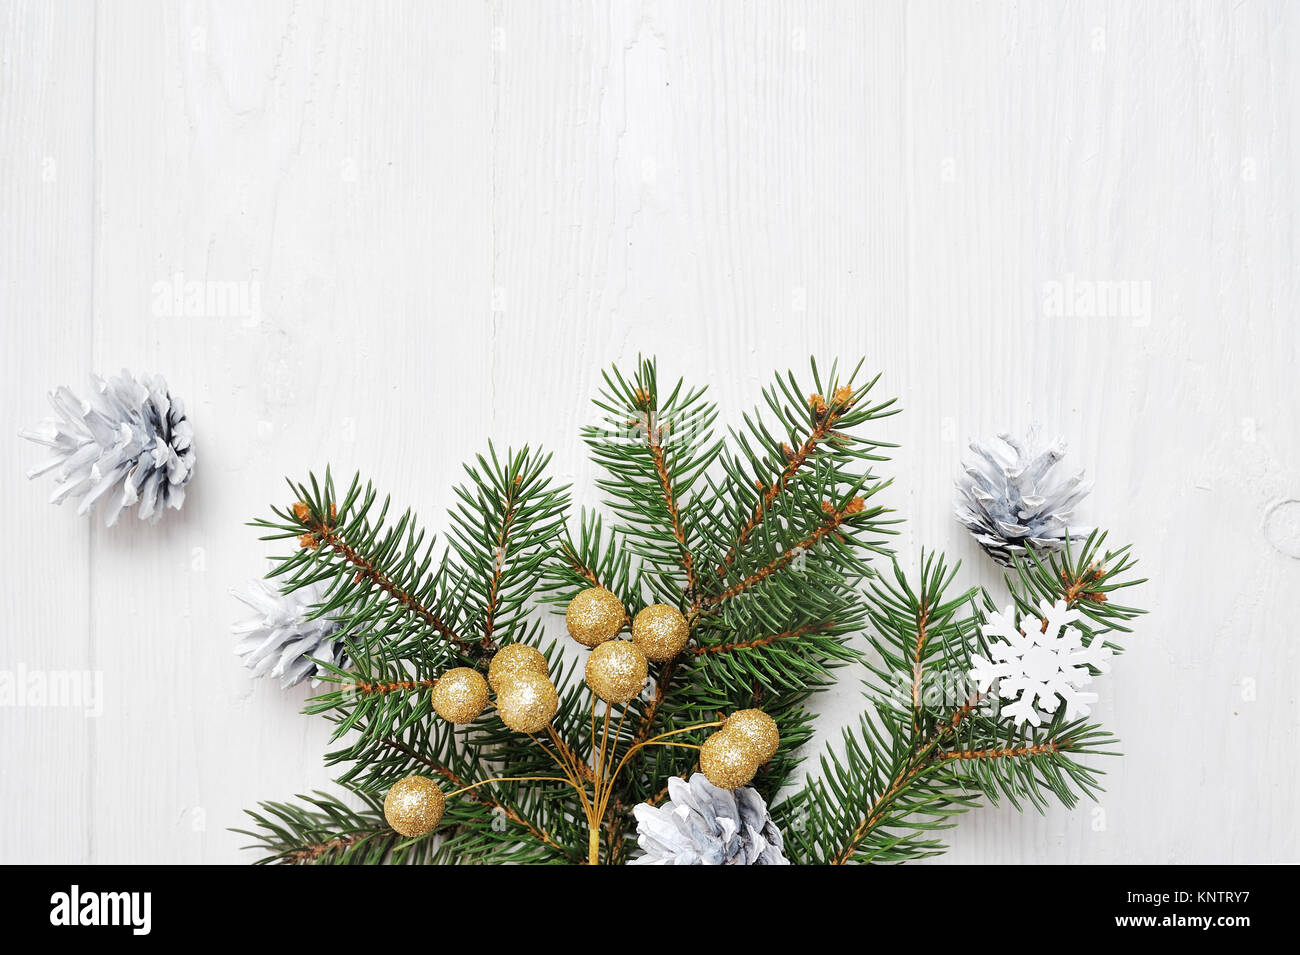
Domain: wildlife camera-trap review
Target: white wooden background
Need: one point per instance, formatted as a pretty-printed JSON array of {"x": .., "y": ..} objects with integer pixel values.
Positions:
[{"x": 456, "y": 213}]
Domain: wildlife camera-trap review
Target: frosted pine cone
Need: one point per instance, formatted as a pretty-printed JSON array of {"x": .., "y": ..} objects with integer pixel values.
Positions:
[
  {"x": 1012, "y": 498},
  {"x": 702, "y": 824},
  {"x": 280, "y": 636},
  {"x": 129, "y": 444}
]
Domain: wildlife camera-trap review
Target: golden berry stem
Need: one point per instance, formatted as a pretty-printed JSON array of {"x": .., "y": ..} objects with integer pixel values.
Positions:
[{"x": 509, "y": 779}]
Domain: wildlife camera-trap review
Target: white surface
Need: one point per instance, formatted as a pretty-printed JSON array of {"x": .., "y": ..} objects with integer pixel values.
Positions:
[{"x": 456, "y": 213}]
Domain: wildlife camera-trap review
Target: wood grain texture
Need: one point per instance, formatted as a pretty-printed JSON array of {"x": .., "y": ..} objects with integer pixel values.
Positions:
[
  {"x": 46, "y": 262},
  {"x": 451, "y": 216}
]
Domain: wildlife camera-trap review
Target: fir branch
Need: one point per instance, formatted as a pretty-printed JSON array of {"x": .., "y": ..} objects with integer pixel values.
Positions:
[
  {"x": 909, "y": 767},
  {"x": 596, "y": 557},
  {"x": 322, "y": 830},
  {"x": 324, "y": 535},
  {"x": 670, "y": 505},
  {"x": 767, "y": 641},
  {"x": 1087, "y": 577},
  {"x": 835, "y": 517},
  {"x": 494, "y": 583},
  {"x": 765, "y": 550},
  {"x": 581, "y": 569},
  {"x": 918, "y": 664},
  {"x": 877, "y": 811},
  {"x": 391, "y": 686},
  {"x": 484, "y": 798},
  {"x": 824, "y": 427},
  {"x": 655, "y": 449},
  {"x": 817, "y": 440},
  {"x": 503, "y": 531},
  {"x": 312, "y": 852},
  {"x": 1011, "y": 752},
  {"x": 383, "y": 585}
]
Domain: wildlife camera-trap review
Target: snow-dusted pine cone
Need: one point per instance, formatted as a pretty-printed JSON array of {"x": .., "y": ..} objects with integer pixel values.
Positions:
[
  {"x": 701, "y": 824},
  {"x": 129, "y": 444},
  {"x": 1012, "y": 497},
  {"x": 279, "y": 637}
]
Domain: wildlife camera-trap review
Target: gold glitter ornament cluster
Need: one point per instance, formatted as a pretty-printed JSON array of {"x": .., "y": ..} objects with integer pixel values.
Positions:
[
  {"x": 460, "y": 695},
  {"x": 414, "y": 806},
  {"x": 594, "y": 616},
  {"x": 514, "y": 659},
  {"x": 731, "y": 756},
  {"x": 660, "y": 632},
  {"x": 616, "y": 671},
  {"x": 527, "y": 702}
]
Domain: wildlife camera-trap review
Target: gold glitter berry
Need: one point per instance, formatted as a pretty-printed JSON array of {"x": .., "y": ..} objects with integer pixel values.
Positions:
[
  {"x": 727, "y": 761},
  {"x": 594, "y": 616},
  {"x": 459, "y": 695},
  {"x": 414, "y": 806},
  {"x": 616, "y": 671},
  {"x": 526, "y": 702},
  {"x": 660, "y": 631},
  {"x": 757, "y": 730},
  {"x": 514, "y": 659}
]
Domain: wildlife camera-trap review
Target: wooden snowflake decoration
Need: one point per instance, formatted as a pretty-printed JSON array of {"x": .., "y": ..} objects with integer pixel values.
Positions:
[{"x": 1037, "y": 671}]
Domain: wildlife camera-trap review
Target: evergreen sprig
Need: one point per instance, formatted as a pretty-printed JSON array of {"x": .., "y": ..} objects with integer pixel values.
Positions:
[
  {"x": 931, "y": 745},
  {"x": 762, "y": 538}
]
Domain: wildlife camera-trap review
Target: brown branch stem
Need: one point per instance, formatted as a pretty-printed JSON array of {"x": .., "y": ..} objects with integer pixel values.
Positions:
[
  {"x": 764, "y": 641},
  {"x": 323, "y": 534},
  {"x": 1042, "y": 749},
  {"x": 308, "y": 854},
  {"x": 670, "y": 502},
  {"x": 835, "y": 518},
  {"x": 794, "y": 462}
]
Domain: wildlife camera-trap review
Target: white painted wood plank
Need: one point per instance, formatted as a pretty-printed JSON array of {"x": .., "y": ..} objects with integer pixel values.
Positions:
[{"x": 46, "y": 190}]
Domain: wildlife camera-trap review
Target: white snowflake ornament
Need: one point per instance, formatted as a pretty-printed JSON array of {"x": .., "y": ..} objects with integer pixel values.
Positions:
[{"x": 1038, "y": 670}]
